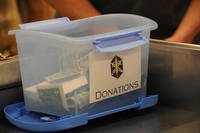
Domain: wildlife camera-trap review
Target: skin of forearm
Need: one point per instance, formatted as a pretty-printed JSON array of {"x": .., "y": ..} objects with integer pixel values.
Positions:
[
  {"x": 39, "y": 10},
  {"x": 190, "y": 24},
  {"x": 74, "y": 9}
]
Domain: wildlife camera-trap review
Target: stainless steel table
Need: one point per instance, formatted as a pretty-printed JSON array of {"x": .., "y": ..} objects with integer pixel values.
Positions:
[{"x": 174, "y": 74}]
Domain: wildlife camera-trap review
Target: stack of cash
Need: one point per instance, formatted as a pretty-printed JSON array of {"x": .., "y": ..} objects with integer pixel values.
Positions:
[{"x": 58, "y": 98}]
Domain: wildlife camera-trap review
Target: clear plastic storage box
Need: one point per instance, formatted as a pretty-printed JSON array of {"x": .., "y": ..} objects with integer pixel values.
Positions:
[{"x": 94, "y": 66}]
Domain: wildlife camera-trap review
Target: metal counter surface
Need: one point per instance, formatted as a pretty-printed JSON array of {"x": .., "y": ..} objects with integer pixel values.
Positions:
[
  {"x": 159, "y": 119},
  {"x": 10, "y": 73},
  {"x": 174, "y": 74}
]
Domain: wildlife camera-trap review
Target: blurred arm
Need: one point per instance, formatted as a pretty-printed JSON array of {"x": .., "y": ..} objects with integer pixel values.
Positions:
[
  {"x": 190, "y": 24},
  {"x": 74, "y": 9},
  {"x": 39, "y": 10}
]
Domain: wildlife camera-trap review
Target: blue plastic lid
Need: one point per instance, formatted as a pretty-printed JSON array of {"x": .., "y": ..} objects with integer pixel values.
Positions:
[{"x": 38, "y": 122}]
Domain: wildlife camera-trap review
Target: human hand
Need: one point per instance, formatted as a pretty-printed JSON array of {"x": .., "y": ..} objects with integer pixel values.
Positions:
[{"x": 8, "y": 43}]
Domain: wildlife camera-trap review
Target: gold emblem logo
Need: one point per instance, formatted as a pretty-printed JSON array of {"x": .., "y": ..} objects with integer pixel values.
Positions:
[{"x": 116, "y": 67}]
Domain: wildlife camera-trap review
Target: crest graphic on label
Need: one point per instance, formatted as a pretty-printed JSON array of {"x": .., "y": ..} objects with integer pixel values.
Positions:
[{"x": 116, "y": 67}]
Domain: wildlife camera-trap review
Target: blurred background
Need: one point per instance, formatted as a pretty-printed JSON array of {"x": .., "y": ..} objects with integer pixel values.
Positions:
[
  {"x": 178, "y": 20},
  {"x": 15, "y": 12}
]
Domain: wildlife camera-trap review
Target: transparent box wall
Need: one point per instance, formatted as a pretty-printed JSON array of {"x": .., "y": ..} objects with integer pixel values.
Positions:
[{"x": 54, "y": 60}]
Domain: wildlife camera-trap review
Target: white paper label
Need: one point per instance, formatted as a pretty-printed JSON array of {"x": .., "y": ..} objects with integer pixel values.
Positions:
[{"x": 113, "y": 74}]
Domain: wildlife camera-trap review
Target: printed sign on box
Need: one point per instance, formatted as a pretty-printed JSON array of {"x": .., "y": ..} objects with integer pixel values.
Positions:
[{"x": 113, "y": 74}]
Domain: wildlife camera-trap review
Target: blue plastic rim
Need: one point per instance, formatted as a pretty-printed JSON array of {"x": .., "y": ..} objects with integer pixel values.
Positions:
[
  {"x": 31, "y": 121},
  {"x": 120, "y": 42}
]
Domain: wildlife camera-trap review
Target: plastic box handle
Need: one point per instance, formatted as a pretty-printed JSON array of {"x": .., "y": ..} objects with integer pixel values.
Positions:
[{"x": 120, "y": 42}]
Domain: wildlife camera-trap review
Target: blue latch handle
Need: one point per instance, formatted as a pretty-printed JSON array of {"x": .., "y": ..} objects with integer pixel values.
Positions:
[{"x": 120, "y": 42}]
